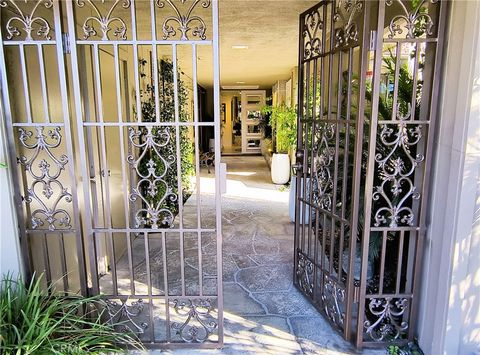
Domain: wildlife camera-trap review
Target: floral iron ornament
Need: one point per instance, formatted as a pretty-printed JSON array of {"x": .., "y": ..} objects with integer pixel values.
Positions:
[
  {"x": 105, "y": 21},
  {"x": 45, "y": 174},
  {"x": 333, "y": 298},
  {"x": 152, "y": 182},
  {"x": 305, "y": 274},
  {"x": 417, "y": 22},
  {"x": 388, "y": 313},
  {"x": 397, "y": 169},
  {"x": 312, "y": 29},
  {"x": 27, "y": 20},
  {"x": 125, "y": 315},
  {"x": 184, "y": 21},
  {"x": 347, "y": 35},
  {"x": 196, "y": 311}
]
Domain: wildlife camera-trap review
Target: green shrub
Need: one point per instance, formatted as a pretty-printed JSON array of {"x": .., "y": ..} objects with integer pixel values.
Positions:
[
  {"x": 283, "y": 120},
  {"x": 39, "y": 320}
]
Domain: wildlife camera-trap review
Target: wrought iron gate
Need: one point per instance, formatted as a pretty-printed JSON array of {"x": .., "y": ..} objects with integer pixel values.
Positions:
[
  {"x": 103, "y": 120},
  {"x": 368, "y": 82}
]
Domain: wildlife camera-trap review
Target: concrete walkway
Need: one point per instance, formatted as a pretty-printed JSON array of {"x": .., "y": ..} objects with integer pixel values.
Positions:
[{"x": 264, "y": 312}]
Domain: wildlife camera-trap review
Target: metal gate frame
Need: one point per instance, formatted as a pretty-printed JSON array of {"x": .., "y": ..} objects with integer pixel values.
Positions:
[
  {"x": 390, "y": 173},
  {"x": 34, "y": 29}
]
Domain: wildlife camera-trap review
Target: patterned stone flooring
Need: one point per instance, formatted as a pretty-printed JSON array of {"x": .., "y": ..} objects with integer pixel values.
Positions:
[{"x": 264, "y": 312}]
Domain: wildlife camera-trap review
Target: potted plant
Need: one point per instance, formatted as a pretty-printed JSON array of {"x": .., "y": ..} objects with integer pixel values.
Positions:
[{"x": 283, "y": 120}]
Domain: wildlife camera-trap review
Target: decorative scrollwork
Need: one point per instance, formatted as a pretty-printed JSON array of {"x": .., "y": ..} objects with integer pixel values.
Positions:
[
  {"x": 388, "y": 313},
  {"x": 104, "y": 21},
  {"x": 312, "y": 29},
  {"x": 305, "y": 274},
  {"x": 397, "y": 166},
  {"x": 197, "y": 311},
  {"x": 322, "y": 186},
  {"x": 346, "y": 11},
  {"x": 151, "y": 188},
  {"x": 29, "y": 21},
  {"x": 333, "y": 297},
  {"x": 417, "y": 22},
  {"x": 46, "y": 175},
  {"x": 122, "y": 316},
  {"x": 184, "y": 21}
]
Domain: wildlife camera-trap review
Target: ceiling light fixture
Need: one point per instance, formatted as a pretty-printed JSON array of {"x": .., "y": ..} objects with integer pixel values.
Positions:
[
  {"x": 240, "y": 87},
  {"x": 239, "y": 46}
]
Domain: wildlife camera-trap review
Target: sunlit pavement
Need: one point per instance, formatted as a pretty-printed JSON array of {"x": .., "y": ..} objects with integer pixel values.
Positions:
[{"x": 264, "y": 312}]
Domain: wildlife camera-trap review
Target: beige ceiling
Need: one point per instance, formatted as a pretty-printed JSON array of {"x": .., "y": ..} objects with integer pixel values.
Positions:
[{"x": 270, "y": 30}]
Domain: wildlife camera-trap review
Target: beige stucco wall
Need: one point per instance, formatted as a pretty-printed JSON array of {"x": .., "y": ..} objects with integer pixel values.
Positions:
[
  {"x": 10, "y": 260},
  {"x": 450, "y": 309}
]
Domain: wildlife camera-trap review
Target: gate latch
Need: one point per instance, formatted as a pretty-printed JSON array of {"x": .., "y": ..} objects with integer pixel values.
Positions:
[{"x": 298, "y": 166}]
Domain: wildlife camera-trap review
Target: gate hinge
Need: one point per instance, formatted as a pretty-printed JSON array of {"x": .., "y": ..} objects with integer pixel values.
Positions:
[
  {"x": 373, "y": 41},
  {"x": 66, "y": 43}
]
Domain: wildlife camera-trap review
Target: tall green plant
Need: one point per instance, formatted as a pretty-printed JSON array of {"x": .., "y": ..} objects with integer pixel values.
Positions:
[
  {"x": 166, "y": 100},
  {"x": 283, "y": 120},
  {"x": 38, "y": 320}
]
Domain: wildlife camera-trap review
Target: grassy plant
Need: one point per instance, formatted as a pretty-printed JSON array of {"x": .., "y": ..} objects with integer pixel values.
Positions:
[
  {"x": 38, "y": 320},
  {"x": 283, "y": 120}
]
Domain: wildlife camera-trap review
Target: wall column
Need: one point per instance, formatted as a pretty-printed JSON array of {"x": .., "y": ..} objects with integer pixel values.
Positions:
[{"x": 449, "y": 319}]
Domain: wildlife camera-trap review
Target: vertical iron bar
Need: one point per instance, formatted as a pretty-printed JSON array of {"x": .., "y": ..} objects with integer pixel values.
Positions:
[
  {"x": 357, "y": 172},
  {"x": 399, "y": 262},
  {"x": 165, "y": 284},
  {"x": 337, "y": 125},
  {"x": 104, "y": 168},
  {"x": 315, "y": 257},
  {"x": 46, "y": 259},
  {"x": 346, "y": 154},
  {"x": 307, "y": 184},
  {"x": 70, "y": 151},
  {"x": 43, "y": 82},
  {"x": 63, "y": 261},
  {"x": 149, "y": 284},
  {"x": 413, "y": 103},
  {"x": 382, "y": 262},
  {"x": 130, "y": 263},
  {"x": 197, "y": 167},
  {"x": 112, "y": 261},
  {"x": 323, "y": 256},
  {"x": 155, "y": 60},
  {"x": 395, "y": 80},
  {"x": 306, "y": 167},
  {"x": 370, "y": 172},
  {"x": 179, "y": 164},
  {"x": 124, "y": 168},
  {"x": 299, "y": 146},
  {"x": 26, "y": 85},
  {"x": 218, "y": 197},
  {"x": 137, "y": 82},
  {"x": 88, "y": 233}
]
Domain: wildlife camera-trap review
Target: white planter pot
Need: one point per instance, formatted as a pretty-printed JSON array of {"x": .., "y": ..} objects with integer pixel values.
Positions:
[
  {"x": 292, "y": 197},
  {"x": 280, "y": 168}
]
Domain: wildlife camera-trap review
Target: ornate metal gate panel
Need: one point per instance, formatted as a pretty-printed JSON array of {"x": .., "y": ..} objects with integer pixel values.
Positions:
[
  {"x": 368, "y": 82},
  {"x": 103, "y": 118}
]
